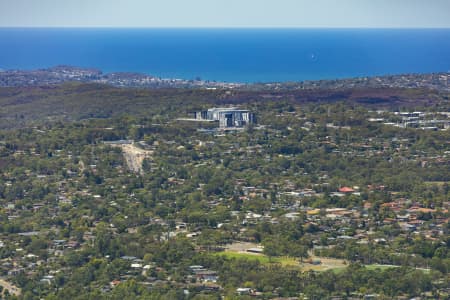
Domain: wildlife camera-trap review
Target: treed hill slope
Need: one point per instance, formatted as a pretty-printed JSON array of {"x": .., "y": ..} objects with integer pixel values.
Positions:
[{"x": 21, "y": 106}]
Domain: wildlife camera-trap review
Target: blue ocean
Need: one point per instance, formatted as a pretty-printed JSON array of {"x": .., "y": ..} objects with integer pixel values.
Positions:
[{"x": 231, "y": 55}]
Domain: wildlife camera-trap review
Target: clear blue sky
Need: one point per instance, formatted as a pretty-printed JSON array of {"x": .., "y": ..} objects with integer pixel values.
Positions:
[{"x": 225, "y": 13}]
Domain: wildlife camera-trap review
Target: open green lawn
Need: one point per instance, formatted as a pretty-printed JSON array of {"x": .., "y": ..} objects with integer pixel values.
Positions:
[
  {"x": 438, "y": 183},
  {"x": 338, "y": 270},
  {"x": 285, "y": 261},
  {"x": 328, "y": 264},
  {"x": 369, "y": 267},
  {"x": 379, "y": 267}
]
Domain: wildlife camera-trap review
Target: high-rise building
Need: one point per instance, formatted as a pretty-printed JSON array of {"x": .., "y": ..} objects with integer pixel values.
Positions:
[{"x": 227, "y": 116}]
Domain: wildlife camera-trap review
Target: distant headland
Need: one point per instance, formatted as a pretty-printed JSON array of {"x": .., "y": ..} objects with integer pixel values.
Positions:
[{"x": 61, "y": 74}]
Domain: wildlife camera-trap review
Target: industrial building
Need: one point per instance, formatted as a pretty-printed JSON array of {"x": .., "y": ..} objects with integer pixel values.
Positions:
[{"x": 228, "y": 117}]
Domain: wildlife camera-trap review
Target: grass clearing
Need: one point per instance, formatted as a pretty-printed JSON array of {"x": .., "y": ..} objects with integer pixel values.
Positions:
[
  {"x": 336, "y": 265},
  {"x": 379, "y": 267},
  {"x": 237, "y": 255},
  {"x": 438, "y": 183},
  {"x": 338, "y": 270},
  {"x": 285, "y": 261}
]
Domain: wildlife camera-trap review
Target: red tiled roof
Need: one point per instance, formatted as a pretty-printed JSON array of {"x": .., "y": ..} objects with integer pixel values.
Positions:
[{"x": 346, "y": 189}]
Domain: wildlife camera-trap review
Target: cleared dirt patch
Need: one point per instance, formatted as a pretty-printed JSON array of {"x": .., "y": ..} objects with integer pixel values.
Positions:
[
  {"x": 12, "y": 289},
  {"x": 134, "y": 156},
  {"x": 326, "y": 263}
]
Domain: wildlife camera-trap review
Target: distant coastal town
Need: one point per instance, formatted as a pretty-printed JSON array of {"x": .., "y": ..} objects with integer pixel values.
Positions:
[{"x": 61, "y": 74}]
